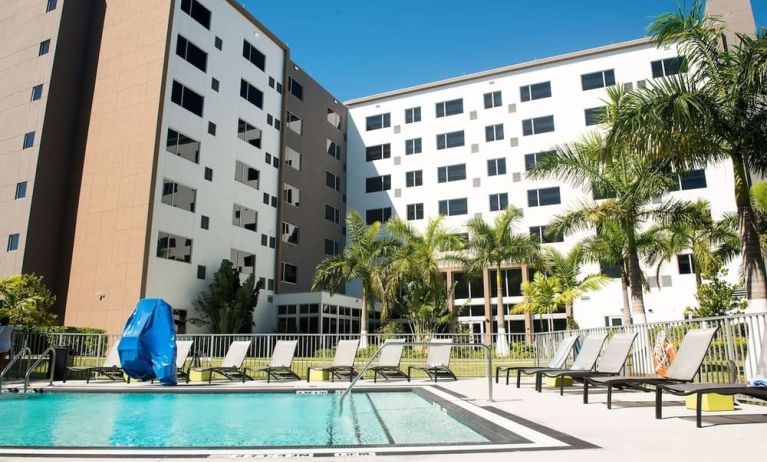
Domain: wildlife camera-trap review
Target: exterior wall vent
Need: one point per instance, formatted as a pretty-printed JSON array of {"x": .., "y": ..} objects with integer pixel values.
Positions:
[
  {"x": 474, "y": 148},
  {"x": 473, "y": 115},
  {"x": 477, "y": 182},
  {"x": 512, "y": 108},
  {"x": 514, "y": 142},
  {"x": 516, "y": 177},
  {"x": 396, "y": 129}
]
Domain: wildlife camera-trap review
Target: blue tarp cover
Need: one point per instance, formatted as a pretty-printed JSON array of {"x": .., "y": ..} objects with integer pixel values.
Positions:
[{"x": 148, "y": 345}]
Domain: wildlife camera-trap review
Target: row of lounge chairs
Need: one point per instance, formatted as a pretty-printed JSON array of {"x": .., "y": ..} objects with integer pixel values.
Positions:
[
  {"x": 609, "y": 371},
  {"x": 280, "y": 365}
]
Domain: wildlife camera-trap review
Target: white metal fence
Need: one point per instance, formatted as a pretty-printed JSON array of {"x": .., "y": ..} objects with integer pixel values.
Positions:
[{"x": 733, "y": 353}]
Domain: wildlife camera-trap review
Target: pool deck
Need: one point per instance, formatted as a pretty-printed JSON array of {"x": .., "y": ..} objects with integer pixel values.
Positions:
[{"x": 628, "y": 432}]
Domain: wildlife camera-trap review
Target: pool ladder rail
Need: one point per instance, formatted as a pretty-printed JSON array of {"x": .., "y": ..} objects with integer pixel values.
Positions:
[
  {"x": 369, "y": 363},
  {"x": 18, "y": 357}
]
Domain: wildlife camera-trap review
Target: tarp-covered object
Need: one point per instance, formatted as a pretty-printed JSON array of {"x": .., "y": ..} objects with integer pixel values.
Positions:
[{"x": 148, "y": 346}]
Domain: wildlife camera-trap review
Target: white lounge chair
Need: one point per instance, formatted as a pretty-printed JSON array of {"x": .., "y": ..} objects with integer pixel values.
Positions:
[
  {"x": 437, "y": 360},
  {"x": 279, "y": 367},
  {"x": 110, "y": 368},
  {"x": 231, "y": 367},
  {"x": 557, "y": 361},
  {"x": 343, "y": 362},
  {"x": 389, "y": 361}
]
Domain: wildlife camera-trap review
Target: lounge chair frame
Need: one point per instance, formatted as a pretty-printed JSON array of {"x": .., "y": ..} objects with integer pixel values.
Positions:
[
  {"x": 389, "y": 366},
  {"x": 108, "y": 369},
  {"x": 436, "y": 368},
  {"x": 700, "y": 389},
  {"x": 563, "y": 352},
  {"x": 231, "y": 372},
  {"x": 340, "y": 371},
  {"x": 277, "y": 370}
]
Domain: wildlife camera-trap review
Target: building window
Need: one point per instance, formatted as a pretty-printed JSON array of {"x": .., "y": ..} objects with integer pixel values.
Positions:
[
  {"x": 493, "y": 99},
  {"x": 208, "y": 174},
  {"x": 244, "y": 262},
  {"x": 178, "y": 195},
  {"x": 595, "y": 115},
  {"x": 332, "y": 214},
  {"x": 332, "y": 181},
  {"x": 50, "y": 6},
  {"x": 186, "y": 98},
  {"x": 494, "y": 132},
  {"x": 244, "y": 217},
  {"x": 535, "y": 91},
  {"x": 295, "y": 88},
  {"x": 334, "y": 150},
  {"x": 218, "y": 43},
  {"x": 534, "y": 158},
  {"x": 332, "y": 247},
  {"x": 499, "y": 202},
  {"x": 291, "y": 195},
  {"x": 21, "y": 190},
  {"x": 29, "y": 140},
  {"x": 13, "y": 243},
  {"x": 289, "y": 273},
  {"x": 378, "y": 121},
  {"x": 247, "y": 175},
  {"x": 252, "y": 54},
  {"x": 448, "y": 108},
  {"x": 204, "y": 222},
  {"x": 45, "y": 46},
  {"x": 295, "y": 123},
  {"x": 333, "y": 118},
  {"x": 292, "y": 158},
  {"x": 451, "y": 173},
  {"x": 496, "y": 167},
  {"x": 694, "y": 179},
  {"x": 380, "y": 215},
  {"x": 37, "y": 92},
  {"x": 452, "y": 207},
  {"x": 198, "y": 12},
  {"x": 686, "y": 263},
  {"x": 543, "y": 235},
  {"x": 378, "y": 183},
  {"x": 414, "y": 212},
  {"x": 668, "y": 66},
  {"x": 413, "y": 115},
  {"x": 252, "y": 94},
  {"x": 248, "y": 133},
  {"x": 191, "y": 53},
  {"x": 414, "y": 178},
  {"x": 183, "y": 146},
  {"x": 289, "y": 233},
  {"x": 173, "y": 247},
  {"x": 413, "y": 146},
  {"x": 381, "y": 151},
  {"x": 538, "y": 125},
  {"x": 201, "y": 272},
  {"x": 450, "y": 140},
  {"x": 544, "y": 196},
  {"x": 211, "y": 128},
  {"x": 214, "y": 84},
  {"x": 598, "y": 79}
]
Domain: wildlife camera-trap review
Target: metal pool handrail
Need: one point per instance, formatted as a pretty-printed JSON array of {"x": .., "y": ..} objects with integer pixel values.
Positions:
[
  {"x": 48, "y": 350},
  {"x": 18, "y": 356},
  {"x": 488, "y": 355}
]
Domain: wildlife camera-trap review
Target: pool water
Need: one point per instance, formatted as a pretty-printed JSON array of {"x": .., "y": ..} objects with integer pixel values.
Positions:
[{"x": 226, "y": 420}]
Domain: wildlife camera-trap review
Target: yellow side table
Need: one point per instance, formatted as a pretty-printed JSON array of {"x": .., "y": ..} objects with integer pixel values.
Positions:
[{"x": 712, "y": 402}]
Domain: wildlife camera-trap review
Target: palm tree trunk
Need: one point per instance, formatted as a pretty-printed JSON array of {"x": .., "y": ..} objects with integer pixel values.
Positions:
[
  {"x": 635, "y": 280},
  {"x": 569, "y": 314},
  {"x": 364, "y": 321},
  {"x": 626, "y": 307},
  {"x": 753, "y": 268},
  {"x": 501, "y": 345}
]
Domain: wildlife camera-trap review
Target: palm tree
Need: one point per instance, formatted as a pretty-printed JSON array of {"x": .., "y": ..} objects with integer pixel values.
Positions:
[
  {"x": 365, "y": 257},
  {"x": 716, "y": 111},
  {"x": 543, "y": 295},
  {"x": 711, "y": 242},
  {"x": 567, "y": 270},
  {"x": 493, "y": 245},
  {"x": 634, "y": 182}
]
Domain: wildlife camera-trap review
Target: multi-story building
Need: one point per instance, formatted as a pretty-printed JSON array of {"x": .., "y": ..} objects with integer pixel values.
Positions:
[
  {"x": 146, "y": 141},
  {"x": 460, "y": 147}
]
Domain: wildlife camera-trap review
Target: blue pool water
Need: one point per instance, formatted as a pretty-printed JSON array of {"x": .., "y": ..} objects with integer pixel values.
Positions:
[{"x": 225, "y": 420}]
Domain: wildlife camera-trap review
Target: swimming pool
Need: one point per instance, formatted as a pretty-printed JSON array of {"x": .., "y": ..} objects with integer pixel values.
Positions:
[{"x": 419, "y": 419}]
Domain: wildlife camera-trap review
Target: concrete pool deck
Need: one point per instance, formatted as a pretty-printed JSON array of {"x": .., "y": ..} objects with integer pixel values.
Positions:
[{"x": 628, "y": 432}]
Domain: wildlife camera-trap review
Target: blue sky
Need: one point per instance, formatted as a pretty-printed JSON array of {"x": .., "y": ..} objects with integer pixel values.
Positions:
[{"x": 360, "y": 47}]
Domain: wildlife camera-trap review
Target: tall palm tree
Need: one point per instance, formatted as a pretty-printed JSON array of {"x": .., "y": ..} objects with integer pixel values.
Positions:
[
  {"x": 711, "y": 242},
  {"x": 634, "y": 182},
  {"x": 493, "y": 245},
  {"x": 716, "y": 111},
  {"x": 420, "y": 255},
  {"x": 365, "y": 257},
  {"x": 567, "y": 269}
]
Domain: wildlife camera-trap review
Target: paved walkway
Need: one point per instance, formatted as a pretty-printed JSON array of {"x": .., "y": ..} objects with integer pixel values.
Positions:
[{"x": 629, "y": 432}]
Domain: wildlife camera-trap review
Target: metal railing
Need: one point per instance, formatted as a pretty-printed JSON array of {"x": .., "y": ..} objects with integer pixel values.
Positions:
[
  {"x": 488, "y": 356},
  {"x": 733, "y": 353},
  {"x": 50, "y": 351},
  {"x": 16, "y": 358}
]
